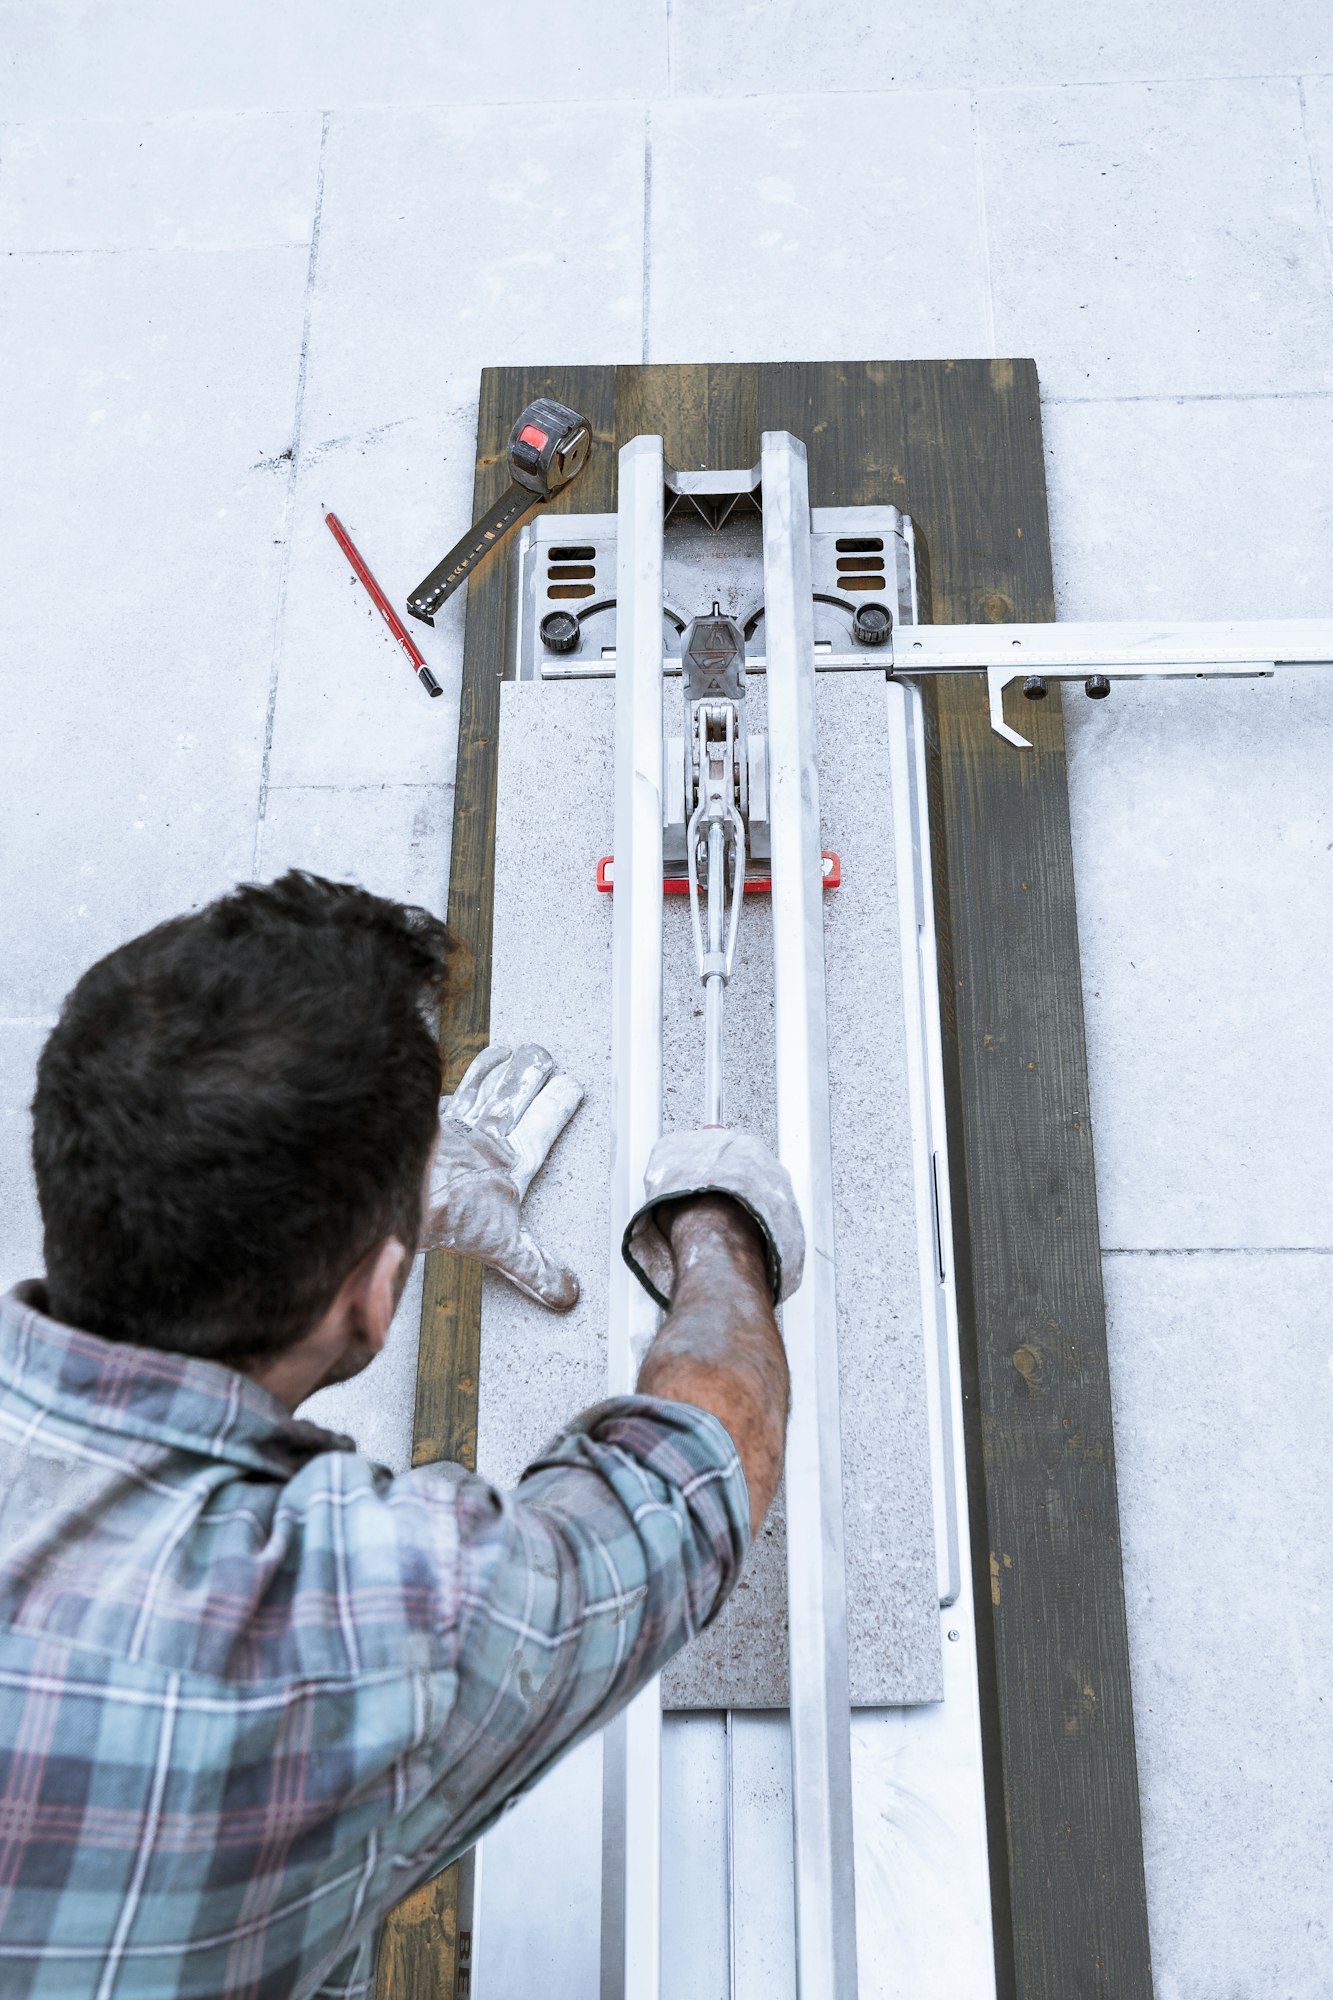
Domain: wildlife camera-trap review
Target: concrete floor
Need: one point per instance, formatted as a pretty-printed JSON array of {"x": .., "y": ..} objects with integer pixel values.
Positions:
[{"x": 254, "y": 260}]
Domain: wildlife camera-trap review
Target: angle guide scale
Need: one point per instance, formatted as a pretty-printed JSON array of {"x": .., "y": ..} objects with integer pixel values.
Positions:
[{"x": 715, "y": 690}]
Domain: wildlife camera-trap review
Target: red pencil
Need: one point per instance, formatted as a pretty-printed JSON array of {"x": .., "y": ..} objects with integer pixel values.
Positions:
[{"x": 383, "y": 606}]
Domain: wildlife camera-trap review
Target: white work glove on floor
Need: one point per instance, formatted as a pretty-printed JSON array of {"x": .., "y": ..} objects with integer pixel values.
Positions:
[
  {"x": 495, "y": 1132},
  {"x": 716, "y": 1161}
]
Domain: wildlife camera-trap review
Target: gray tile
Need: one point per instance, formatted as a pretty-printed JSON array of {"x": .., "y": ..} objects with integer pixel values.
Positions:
[
  {"x": 722, "y": 46},
  {"x": 155, "y": 58},
  {"x": 1220, "y": 1368},
  {"x": 544, "y": 261},
  {"x": 1216, "y": 509},
  {"x": 143, "y": 547},
  {"x": 1202, "y": 821},
  {"x": 812, "y": 228},
  {"x": 447, "y": 245},
  {"x": 349, "y": 709},
  {"x": 177, "y": 183},
  {"x": 1317, "y": 95},
  {"x": 20, "y": 1223},
  {"x": 1203, "y": 856},
  {"x": 1157, "y": 239},
  {"x": 555, "y": 744},
  {"x": 392, "y": 839}
]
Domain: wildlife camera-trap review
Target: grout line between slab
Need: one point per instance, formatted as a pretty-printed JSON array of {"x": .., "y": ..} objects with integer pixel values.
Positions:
[
  {"x": 160, "y": 249},
  {"x": 398, "y": 106},
  {"x": 1315, "y": 181},
  {"x": 289, "y": 503},
  {"x": 646, "y": 301},
  {"x": 671, "y": 48},
  {"x": 984, "y": 224},
  {"x": 1226, "y": 1250}
]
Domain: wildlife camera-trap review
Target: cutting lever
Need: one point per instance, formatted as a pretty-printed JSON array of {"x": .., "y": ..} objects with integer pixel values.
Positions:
[{"x": 548, "y": 447}]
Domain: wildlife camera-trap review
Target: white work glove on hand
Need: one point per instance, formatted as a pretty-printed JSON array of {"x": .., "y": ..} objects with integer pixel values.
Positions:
[
  {"x": 716, "y": 1161},
  {"x": 495, "y": 1132}
]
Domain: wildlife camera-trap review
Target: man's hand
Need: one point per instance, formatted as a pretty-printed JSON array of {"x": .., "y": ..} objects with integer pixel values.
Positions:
[
  {"x": 715, "y": 1160},
  {"x": 719, "y": 1346},
  {"x": 719, "y": 1242},
  {"x": 495, "y": 1133}
]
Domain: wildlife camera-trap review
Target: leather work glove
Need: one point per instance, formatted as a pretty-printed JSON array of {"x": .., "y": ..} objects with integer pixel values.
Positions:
[
  {"x": 716, "y": 1161},
  {"x": 495, "y": 1133}
]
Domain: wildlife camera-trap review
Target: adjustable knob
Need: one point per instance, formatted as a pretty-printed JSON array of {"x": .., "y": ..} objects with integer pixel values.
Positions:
[
  {"x": 872, "y": 625},
  {"x": 1096, "y": 687},
  {"x": 1034, "y": 687},
  {"x": 560, "y": 632}
]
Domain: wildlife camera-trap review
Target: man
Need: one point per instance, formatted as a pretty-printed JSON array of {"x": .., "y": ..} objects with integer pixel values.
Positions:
[{"x": 252, "y": 1688}]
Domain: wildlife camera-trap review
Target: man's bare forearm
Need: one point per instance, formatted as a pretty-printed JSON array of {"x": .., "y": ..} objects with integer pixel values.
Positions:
[{"x": 719, "y": 1346}]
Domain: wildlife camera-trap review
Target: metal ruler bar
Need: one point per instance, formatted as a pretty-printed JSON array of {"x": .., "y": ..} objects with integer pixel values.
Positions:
[
  {"x": 632, "y": 1785},
  {"x": 925, "y": 1093},
  {"x": 816, "y": 1581},
  {"x": 1123, "y": 648}
]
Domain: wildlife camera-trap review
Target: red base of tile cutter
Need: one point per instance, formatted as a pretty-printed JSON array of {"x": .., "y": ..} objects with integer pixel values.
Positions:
[{"x": 677, "y": 885}]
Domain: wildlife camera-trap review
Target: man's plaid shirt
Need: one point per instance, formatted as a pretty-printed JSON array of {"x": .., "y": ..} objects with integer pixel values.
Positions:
[{"x": 253, "y": 1688}]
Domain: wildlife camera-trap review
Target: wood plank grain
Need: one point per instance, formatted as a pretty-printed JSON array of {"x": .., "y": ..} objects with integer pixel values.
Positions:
[{"x": 705, "y": 412}]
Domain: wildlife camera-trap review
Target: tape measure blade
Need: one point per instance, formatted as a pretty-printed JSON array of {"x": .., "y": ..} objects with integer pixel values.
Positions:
[{"x": 455, "y": 568}]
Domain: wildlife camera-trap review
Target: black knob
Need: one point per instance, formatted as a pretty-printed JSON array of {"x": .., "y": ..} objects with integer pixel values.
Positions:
[
  {"x": 1096, "y": 687},
  {"x": 560, "y": 632},
  {"x": 872, "y": 624},
  {"x": 1034, "y": 687}
]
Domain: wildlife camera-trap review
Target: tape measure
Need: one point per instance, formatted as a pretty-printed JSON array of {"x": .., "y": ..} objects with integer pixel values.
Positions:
[{"x": 548, "y": 447}]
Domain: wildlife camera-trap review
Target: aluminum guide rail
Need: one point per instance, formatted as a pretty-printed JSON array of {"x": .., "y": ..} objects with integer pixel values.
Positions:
[
  {"x": 816, "y": 1581},
  {"x": 632, "y": 1781},
  {"x": 1128, "y": 647}
]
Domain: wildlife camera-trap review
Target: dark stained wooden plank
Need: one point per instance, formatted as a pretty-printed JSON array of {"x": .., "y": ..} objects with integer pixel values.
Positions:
[
  {"x": 1044, "y": 1500},
  {"x": 705, "y": 412},
  {"x": 959, "y": 445}
]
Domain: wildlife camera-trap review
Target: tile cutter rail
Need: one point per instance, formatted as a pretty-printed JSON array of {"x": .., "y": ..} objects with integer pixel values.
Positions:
[
  {"x": 791, "y": 590},
  {"x": 713, "y": 800}
]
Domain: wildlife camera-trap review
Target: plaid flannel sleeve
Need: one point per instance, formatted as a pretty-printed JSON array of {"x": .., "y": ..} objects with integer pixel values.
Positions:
[{"x": 622, "y": 1540}]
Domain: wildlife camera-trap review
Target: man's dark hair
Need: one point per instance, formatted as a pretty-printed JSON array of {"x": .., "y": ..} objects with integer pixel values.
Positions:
[{"x": 232, "y": 1110}]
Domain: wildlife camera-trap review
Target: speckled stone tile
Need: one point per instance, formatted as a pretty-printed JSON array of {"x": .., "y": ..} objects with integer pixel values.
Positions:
[
  {"x": 156, "y": 58},
  {"x": 1222, "y": 1378},
  {"x": 144, "y": 559},
  {"x": 798, "y": 228},
  {"x": 729, "y": 46},
  {"x": 223, "y": 182},
  {"x": 1157, "y": 239},
  {"x": 392, "y": 839},
  {"x": 554, "y": 822}
]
